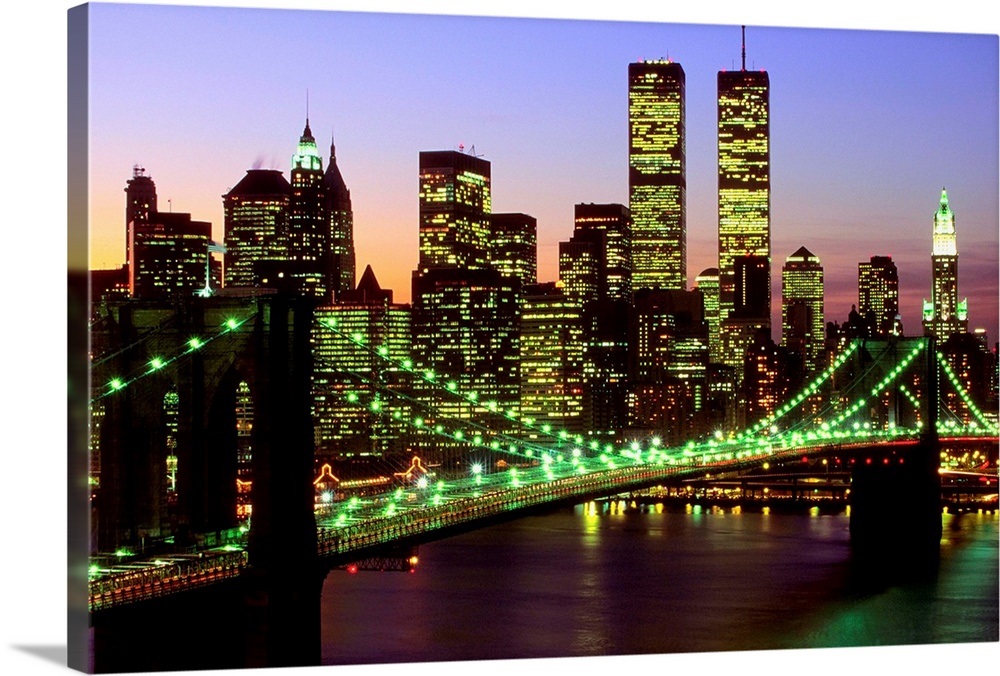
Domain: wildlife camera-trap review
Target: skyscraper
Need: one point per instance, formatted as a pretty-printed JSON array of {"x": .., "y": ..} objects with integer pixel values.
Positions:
[
  {"x": 878, "y": 294},
  {"x": 308, "y": 255},
  {"x": 657, "y": 183},
  {"x": 168, "y": 254},
  {"x": 513, "y": 246},
  {"x": 802, "y": 308},
  {"x": 551, "y": 359},
  {"x": 744, "y": 152},
  {"x": 341, "y": 220},
  {"x": 455, "y": 207},
  {"x": 944, "y": 314},
  {"x": 140, "y": 202},
  {"x": 614, "y": 220},
  {"x": 345, "y": 429},
  {"x": 256, "y": 225},
  {"x": 708, "y": 283}
]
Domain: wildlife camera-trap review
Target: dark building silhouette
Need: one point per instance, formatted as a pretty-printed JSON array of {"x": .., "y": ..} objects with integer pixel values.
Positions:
[
  {"x": 140, "y": 202},
  {"x": 169, "y": 255},
  {"x": 669, "y": 349},
  {"x": 615, "y": 221},
  {"x": 341, "y": 225}
]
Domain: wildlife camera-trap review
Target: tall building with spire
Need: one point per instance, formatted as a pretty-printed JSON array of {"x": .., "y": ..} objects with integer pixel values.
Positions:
[
  {"x": 744, "y": 153},
  {"x": 944, "y": 314},
  {"x": 341, "y": 219},
  {"x": 309, "y": 261},
  {"x": 656, "y": 175}
]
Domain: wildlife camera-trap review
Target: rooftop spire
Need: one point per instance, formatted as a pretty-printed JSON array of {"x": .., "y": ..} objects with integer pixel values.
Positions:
[{"x": 743, "y": 30}]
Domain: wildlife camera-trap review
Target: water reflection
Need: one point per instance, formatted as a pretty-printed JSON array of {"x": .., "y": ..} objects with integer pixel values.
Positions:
[{"x": 596, "y": 581}]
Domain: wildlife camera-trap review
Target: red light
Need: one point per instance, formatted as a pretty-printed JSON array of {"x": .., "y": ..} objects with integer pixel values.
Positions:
[
  {"x": 885, "y": 461},
  {"x": 868, "y": 461},
  {"x": 352, "y": 569}
]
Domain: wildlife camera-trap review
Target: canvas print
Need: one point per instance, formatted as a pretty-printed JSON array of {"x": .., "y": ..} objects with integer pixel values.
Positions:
[{"x": 402, "y": 338}]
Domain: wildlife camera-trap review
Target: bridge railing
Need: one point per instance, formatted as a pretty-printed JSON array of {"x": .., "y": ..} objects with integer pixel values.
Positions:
[{"x": 163, "y": 578}]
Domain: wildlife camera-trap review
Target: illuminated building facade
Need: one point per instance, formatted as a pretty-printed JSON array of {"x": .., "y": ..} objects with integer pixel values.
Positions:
[
  {"x": 168, "y": 254},
  {"x": 944, "y": 314},
  {"x": 140, "y": 202},
  {"x": 455, "y": 207},
  {"x": 466, "y": 332},
  {"x": 513, "y": 246},
  {"x": 581, "y": 262},
  {"x": 802, "y": 309},
  {"x": 353, "y": 387},
  {"x": 308, "y": 253},
  {"x": 614, "y": 220},
  {"x": 586, "y": 277},
  {"x": 878, "y": 295},
  {"x": 551, "y": 355},
  {"x": 744, "y": 153},
  {"x": 340, "y": 217},
  {"x": 657, "y": 182},
  {"x": 256, "y": 223},
  {"x": 708, "y": 283}
]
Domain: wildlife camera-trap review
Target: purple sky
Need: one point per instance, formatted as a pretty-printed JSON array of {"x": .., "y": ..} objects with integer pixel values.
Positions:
[{"x": 867, "y": 127}]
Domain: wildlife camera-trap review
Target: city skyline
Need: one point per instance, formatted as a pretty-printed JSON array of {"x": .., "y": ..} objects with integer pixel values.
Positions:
[{"x": 503, "y": 115}]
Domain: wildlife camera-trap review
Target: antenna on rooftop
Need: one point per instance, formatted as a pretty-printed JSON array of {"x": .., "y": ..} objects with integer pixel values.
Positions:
[{"x": 743, "y": 29}]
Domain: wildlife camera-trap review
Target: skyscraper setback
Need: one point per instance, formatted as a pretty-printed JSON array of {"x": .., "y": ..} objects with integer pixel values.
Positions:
[
  {"x": 945, "y": 315},
  {"x": 656, "y": 175},
  {"x": 744, "y": 149}
]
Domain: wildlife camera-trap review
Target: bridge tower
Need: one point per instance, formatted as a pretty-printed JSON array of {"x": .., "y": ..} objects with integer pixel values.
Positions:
[
  {"x": 193, "y": 353},
  {"x": 896, "y": 493}
]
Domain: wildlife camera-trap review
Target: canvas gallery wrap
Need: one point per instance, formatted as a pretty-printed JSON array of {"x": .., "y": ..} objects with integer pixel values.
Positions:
[{"x": 402, "y": 338}]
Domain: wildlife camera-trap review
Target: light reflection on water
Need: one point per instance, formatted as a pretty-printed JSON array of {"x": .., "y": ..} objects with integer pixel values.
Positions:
[{"x": 597, "y": 581}]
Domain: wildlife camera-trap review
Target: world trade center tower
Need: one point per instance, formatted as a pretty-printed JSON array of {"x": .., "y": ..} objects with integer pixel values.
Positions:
[
  {"x": 656, "y": 175},
  {"x": 744, "y": 176}
]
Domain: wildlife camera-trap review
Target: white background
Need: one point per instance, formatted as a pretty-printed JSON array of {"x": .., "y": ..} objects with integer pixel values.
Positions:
[{"x": 32, "y": 328}]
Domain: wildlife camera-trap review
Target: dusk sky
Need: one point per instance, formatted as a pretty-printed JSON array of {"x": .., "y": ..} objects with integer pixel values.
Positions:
[{"x": 867, "y": 127}]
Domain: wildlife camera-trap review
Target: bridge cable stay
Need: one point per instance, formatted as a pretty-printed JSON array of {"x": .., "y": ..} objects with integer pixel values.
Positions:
[
  {"x": 767, "y": 423},
  {"x": 158, "y": 363},
  {"x": 859, "y": 383},
  {"x": 528, "y": 450},
  {"x": 963, "y": 395},
  {"x": 143, "y": 337},
  {"x": 833, "y": 408},
  {"x": 432, "y": 379}
]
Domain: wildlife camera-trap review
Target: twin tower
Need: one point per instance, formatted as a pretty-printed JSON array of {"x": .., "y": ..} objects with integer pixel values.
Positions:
[{"x": 657, "y": 187}]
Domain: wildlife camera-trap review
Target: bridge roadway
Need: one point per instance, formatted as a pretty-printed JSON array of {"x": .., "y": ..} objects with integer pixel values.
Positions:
[{"x": 367, "y": 528}]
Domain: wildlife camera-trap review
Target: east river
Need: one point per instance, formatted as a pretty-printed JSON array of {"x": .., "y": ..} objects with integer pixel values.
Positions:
[{"x": 587, "y": 582}]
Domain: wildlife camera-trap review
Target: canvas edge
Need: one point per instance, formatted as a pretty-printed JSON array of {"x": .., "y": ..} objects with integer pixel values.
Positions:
[{"x": 78, "y": 340}]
